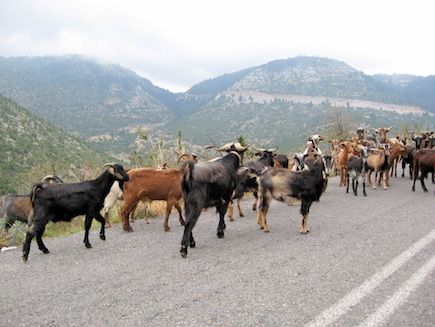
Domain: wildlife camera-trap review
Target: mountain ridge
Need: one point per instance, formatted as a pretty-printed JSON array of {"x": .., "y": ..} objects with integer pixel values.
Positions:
[{"x": 107, "y": 104}]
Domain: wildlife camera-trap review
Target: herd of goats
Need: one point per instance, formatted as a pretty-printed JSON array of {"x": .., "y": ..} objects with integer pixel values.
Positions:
[{"x": 220, "y": 181}]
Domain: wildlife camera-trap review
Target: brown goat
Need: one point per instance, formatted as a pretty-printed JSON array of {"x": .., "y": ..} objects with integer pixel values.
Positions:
[
  {"x": 397, "y": 149},
  {"x": 382, "y": 133},
  {"x": 424, "y": 161},
  {"x": 348, "y": 149},
  {"x": 148, "y": 184}
]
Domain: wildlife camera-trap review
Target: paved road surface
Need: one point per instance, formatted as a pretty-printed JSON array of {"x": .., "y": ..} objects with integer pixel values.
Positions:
[{"x": 367, "y": 261}]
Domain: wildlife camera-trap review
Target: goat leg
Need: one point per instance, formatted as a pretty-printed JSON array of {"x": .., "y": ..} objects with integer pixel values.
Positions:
[
  {"x": 180, "y": 213},
  {"x": 191, "y": 218},
  {"x": 169, "y": 205},
  {"x": 230, "y": 210},
  {"x": 106, "y": 218},
  {"x": 355, "y": 187},
  {"x": 241, "y": 214},
  {"x": 254, "y": 206},
  {"x": 221, "y": 227},
  {"x": 88, "y": 223},
  {"x": 101, "y": 220},
  {"x": 305, "y": 209},
  {"x": 41, "y": 244},
  {"x": 364, "y": 186},
  {"x": 423, "y": 175},
  {"x": 26, "y": 246}
]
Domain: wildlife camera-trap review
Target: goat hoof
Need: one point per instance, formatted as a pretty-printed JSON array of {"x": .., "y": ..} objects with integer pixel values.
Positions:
[
  {"x": 167, "y": 229},
  {"x": 88, "y": 245},
  {"x": 25, "y": 257},
  {"x": 220, "y": 234},
  {"x": 183, "y": 251},
  {"x": 192, "y": 244},
  {"x": 103, "y": 237},
  {"x": 182, "y": 222},
  {"x": 45, "y": 251},
  {"x": 242, "y": 215},
  {"x": 128, "y": 229}
]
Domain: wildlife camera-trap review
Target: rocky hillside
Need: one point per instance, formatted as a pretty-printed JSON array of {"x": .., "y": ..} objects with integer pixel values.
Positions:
[
  {"x": 30, "y": 146},
  {"x": 276, "y": 103}
]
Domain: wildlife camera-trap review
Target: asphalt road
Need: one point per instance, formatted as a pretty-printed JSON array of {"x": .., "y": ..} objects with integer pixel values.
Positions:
[{"x": 367, "y": 261}]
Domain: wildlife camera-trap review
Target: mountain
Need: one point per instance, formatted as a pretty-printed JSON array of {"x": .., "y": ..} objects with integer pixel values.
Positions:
[
  {"x": 278, "y": 103},
  {"x": 30, "y": 146},
  {"x": 82, "y": 95},
  {"x": 315, "y": 76}
]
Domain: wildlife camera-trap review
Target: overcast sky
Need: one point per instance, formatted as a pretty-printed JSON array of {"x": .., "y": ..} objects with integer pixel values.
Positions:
[{"x": 179, "y": 43}]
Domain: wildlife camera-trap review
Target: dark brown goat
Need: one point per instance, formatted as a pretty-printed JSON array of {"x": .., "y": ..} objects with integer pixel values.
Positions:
[{"x": 424, "y": 162}]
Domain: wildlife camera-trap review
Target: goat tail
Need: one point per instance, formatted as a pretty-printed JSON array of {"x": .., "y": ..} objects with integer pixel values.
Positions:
[
  {"x": 35, "y": 188},
  {"x": 187, "y": 176}
]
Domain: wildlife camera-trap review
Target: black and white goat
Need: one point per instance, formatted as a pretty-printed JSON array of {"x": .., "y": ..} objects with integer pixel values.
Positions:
[
  {"x": 208, "y": 184},
  {"x": 66, "y": 201},
  {"x": 313, "y": 144},
  {"x": 287, "y": 186},
  {"x": 356, "y": 170}
]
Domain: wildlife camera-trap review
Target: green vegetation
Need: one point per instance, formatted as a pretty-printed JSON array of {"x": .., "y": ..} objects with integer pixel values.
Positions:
[{"x": 32, "y": 148}]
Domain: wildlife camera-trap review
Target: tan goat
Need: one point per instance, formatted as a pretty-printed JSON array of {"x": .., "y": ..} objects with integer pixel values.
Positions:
[{"x": 377, "y": 161}]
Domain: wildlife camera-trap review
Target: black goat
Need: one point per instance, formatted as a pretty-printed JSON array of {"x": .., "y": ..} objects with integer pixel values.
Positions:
[
  {"x": 247, "y": 179},
  {"x": 66, "y": 201},
  {"x": 287, "y": 186},
  {"x": 207, "y": 184},
  {"x": 408, "y": 158},
  {"x": 19, "y": 207}
]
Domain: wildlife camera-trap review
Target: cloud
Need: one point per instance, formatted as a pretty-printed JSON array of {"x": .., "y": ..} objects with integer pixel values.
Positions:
[{"x": 176, "y": 44}]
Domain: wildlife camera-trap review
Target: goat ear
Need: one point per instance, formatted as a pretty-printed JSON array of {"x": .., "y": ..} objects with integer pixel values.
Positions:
[{"x": 320, "y": 138}]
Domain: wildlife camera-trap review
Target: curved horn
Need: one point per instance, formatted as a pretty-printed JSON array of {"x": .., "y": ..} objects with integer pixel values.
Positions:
[
  {"x": 257, "y": 149},
  {"x": 108, "y": 165},
  {"x": 52, "y": 178},
  {"x": 272, "y": 150},
  {"x": 232, "y": 146},
  {"x": 48, "y": 177},
  {"x": 189, "y": 156},
  {"x": 225, "y": 147},
  {"x": 240, "y": 147}
]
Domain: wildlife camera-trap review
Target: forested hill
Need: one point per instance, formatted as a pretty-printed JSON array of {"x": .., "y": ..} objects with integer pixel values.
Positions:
[
  {"x": 31, "y": 148},
  {"x": 83, "y": 95}
]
